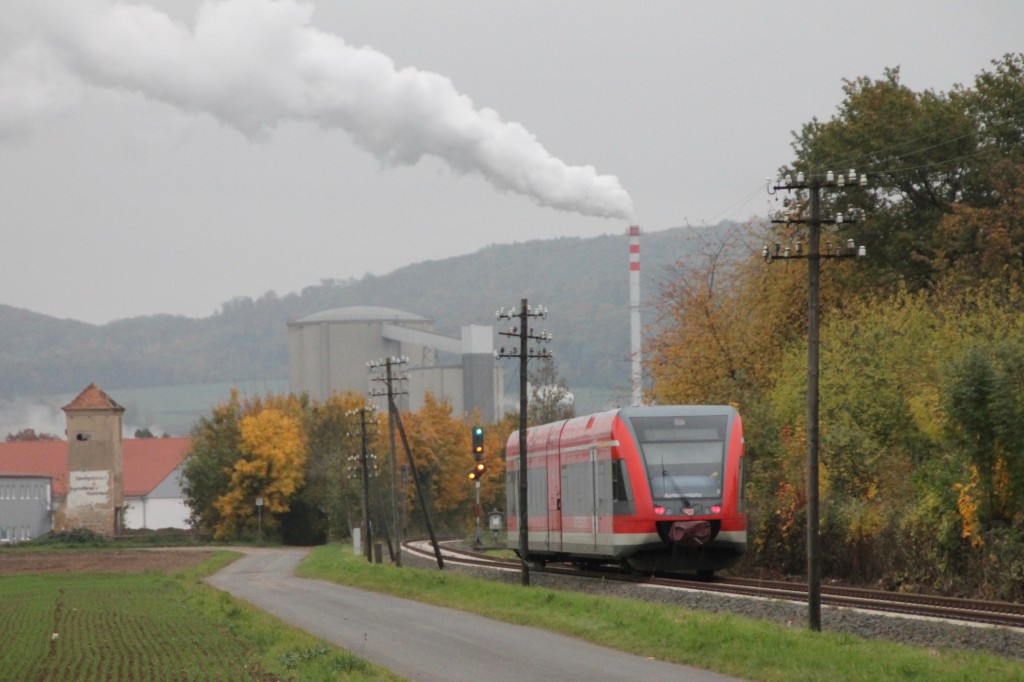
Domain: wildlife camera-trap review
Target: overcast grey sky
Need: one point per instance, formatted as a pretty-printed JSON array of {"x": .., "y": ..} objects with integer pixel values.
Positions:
[{"x": 166, "y": 157}]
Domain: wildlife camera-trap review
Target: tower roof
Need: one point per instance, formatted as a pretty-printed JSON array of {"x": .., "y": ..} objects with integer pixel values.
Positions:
[{"x": 93, "y": 398}]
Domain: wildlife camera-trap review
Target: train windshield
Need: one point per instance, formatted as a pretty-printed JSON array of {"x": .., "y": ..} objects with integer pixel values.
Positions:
[{"x": 685, "y": 456}]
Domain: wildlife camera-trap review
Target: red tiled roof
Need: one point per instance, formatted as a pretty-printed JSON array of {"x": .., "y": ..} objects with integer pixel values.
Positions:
[
  {"x": 147, "y": 461},
  {"x": 38, "y": 457},
  {"x": 93, "y": 398}
]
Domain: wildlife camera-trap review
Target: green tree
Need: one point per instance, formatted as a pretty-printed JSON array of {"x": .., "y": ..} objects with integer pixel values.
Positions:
[
  {"x": 333, "y": 484},
  {"x": 928, "y": 155},
  {"x": 916, "y": 148},
  {"x": 875, "y": 393},
  {"x": 212, "y": 454},
  {"x": 29, "y": 435},
  {"x": 549, "y": 396}
]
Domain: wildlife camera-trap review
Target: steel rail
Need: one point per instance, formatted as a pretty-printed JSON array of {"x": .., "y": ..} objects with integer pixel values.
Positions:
[{"x": 1007, "y": 614}]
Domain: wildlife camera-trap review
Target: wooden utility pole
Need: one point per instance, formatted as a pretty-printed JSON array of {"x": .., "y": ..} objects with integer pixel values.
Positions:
[
  {"x": 814, "y": 185},
  {"x": 524, "y": 353}
]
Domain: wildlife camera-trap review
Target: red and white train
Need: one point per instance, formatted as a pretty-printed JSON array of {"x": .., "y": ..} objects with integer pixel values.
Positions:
[{"x": 655, "y": 488}]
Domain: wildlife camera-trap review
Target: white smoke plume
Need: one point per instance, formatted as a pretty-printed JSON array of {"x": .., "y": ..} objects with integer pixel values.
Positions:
[
  {"x": 256, "y": 63},
  {"x": 43, "y": 417}
]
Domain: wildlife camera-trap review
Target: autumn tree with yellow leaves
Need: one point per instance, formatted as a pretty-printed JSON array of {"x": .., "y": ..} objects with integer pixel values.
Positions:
[
  {"x": 303, "y": 459},
  {"x": 441, "y": 447},
  {"x": 280, "y": 448},
  {"x": 272, "y": 446}
]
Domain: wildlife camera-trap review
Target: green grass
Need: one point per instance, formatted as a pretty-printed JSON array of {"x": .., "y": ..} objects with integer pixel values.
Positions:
[
  {"x": 158, "y": 626},
  {"x": 725, "y": 643}
]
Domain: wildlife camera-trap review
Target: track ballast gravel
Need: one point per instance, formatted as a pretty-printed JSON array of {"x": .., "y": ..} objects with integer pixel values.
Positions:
[{"x": 927, "y": 633}]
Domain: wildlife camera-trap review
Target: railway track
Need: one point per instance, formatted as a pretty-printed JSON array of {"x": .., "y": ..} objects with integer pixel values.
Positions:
[{"x": 1006, "y": 614}]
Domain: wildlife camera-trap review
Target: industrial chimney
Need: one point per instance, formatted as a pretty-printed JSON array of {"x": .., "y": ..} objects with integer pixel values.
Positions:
[{"x": 634, "y": 314}]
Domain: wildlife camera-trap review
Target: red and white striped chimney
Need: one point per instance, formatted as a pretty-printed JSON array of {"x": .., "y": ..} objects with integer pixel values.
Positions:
[{"x": 634, "y": 314}]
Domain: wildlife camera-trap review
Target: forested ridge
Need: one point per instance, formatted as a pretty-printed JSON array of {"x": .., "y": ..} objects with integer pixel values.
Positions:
[{"x": 583, "y": 281}]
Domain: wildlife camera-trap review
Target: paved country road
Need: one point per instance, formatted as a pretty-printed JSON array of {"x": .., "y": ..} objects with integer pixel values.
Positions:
[{"x": 430, "y": 643}]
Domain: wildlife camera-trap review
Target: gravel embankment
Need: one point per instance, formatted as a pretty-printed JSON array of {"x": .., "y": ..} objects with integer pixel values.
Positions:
[{"x": 1005, "y": 642}]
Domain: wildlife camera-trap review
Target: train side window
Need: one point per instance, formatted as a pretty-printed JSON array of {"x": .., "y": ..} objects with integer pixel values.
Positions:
[
  {"x": 620, "y": 491},
  {"x": 622, "y": 499}
]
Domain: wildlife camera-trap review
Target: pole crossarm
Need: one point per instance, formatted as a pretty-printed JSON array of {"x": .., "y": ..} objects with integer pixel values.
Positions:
[{"x": 814, "y": 184}]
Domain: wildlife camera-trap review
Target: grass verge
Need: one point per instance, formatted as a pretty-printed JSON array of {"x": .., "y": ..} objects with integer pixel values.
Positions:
[
  {"x": 729, "y": 644},
  {"x": 114, "y": 627}
]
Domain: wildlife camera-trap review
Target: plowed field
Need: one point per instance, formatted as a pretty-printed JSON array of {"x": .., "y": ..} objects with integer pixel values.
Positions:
[{"x": 106, "y": 561}]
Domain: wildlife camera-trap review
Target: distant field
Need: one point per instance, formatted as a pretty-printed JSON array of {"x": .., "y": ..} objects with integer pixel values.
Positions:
[
  {"x": 175, "y": 409},
  {"x": 590, "y": 400}
]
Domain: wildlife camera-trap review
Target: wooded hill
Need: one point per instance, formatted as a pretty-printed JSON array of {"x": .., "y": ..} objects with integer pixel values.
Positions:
[{"x": 584, "y": 283}]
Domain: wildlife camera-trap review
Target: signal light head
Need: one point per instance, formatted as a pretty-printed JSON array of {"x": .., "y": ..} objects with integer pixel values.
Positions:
[
  {"x": 478, "y": 442},
  {"x": 477, "y": 471}
]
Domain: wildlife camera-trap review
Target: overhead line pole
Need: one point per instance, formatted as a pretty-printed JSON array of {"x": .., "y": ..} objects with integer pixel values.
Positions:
[
  {"x": 366, "y": 484},
  {"x": 389, "y": 378},
  {"x": 814, "y": 185},
  {"x": 524, "y": 353},
  {"x": 394, "y": 463}
]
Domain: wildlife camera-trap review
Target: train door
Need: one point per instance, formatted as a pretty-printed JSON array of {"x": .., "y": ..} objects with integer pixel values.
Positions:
[
  {"x": 554, "y": 488},
  {"x": 579, "y": 501},
  {"x": 594, "y": 512},
  {"x": 604, "y": 507}
]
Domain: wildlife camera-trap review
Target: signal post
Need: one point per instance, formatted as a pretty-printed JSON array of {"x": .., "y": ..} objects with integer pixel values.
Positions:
[{"x": 475, "y": 474}]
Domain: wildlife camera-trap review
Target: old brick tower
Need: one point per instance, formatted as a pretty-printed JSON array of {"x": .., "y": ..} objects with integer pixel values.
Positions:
[{"x": 95, "y": 497}]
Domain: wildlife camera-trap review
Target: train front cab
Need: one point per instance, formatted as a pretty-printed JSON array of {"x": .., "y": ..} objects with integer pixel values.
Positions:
[{"x": 690, "y": 462}]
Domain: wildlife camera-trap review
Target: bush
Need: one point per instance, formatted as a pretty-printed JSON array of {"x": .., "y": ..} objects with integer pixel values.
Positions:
[{"x": 75, "y": 536}]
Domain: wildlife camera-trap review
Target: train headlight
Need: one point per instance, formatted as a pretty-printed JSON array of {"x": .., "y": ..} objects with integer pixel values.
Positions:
[
  {"x": 716, "y": 509},
  {"x": 659, "y": 511}
]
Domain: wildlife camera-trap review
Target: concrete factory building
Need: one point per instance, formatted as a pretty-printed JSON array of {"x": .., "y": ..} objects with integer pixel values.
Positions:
[{"x": 328, "y": 352}]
